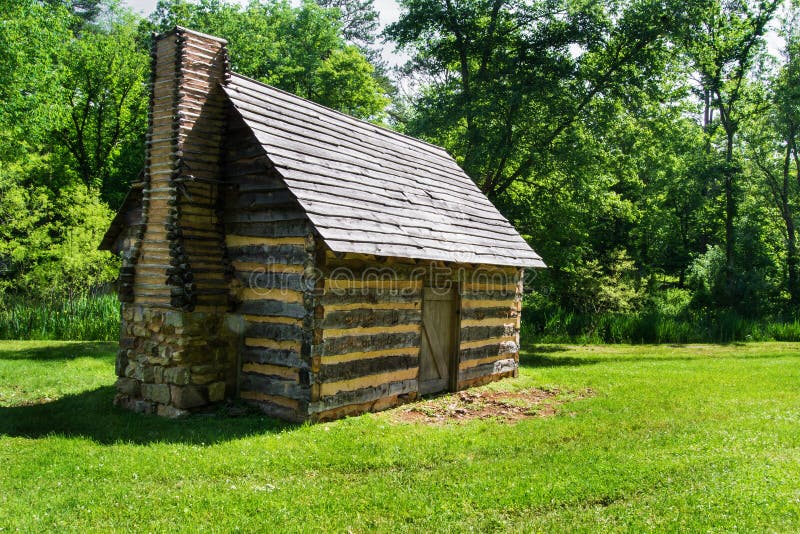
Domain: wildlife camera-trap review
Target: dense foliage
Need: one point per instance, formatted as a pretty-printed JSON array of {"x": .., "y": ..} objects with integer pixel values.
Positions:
[
  {"x": 641, "y": 145},
  {"x": 648, "y": 149}
]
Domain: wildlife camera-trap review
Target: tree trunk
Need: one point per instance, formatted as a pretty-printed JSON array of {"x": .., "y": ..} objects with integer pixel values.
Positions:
[{"x": 730, "y": 212}]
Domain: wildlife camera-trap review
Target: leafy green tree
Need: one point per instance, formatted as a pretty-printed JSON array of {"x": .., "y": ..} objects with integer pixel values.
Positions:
[
  {"x": 723, "y": 41},
  {"x": 505, "y": 79},
  {"x": 103, "y": 80},
  {"x": 300, "y": 50},
  {"x": 773, "y": 141},
  {"x": 358, "y": 20}
]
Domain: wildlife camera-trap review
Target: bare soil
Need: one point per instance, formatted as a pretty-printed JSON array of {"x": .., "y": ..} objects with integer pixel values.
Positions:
[{"x": 505, "y": 406}]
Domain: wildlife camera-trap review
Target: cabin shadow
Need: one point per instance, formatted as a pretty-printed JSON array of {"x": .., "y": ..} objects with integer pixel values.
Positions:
[
  {"x": 547, "y": 356},
  {"x": 92, "y": 415},
  {"x": 59, "y": 352}
]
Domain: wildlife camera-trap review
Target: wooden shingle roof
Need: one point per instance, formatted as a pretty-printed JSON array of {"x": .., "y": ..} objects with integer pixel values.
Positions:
[{"x": 370, "y": 190}]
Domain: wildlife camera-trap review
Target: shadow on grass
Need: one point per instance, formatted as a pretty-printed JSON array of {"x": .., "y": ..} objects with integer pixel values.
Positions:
[
  {"x": 92, "y": 415},
  {"x": 540, "y": 356},
  {"x": 60, "y": 351},
  {"x": 546, "y": 356}
]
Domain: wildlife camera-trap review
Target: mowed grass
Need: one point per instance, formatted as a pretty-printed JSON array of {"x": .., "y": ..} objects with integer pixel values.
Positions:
[{"x": 687, "y": 438}]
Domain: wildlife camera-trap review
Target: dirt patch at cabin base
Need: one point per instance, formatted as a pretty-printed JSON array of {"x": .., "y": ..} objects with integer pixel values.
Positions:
[{"x": 505, "y": 406}]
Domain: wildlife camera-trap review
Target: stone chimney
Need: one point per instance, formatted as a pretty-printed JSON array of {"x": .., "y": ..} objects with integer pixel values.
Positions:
[{"x": 175, "y": 352}]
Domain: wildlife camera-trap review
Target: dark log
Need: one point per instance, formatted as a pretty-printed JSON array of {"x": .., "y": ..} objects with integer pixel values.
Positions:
[
  {"x": 474, "y": 333},
  {"x": 504, "y": 312},
  {"x": 356, "y": 343},
  {"x": 290, "y": 254},
  {"x": 272, "y": 280},
  {"x": 364, "y": 367},
  {"x": 504, "y": 349},
  {"x": 270, "y": 307},
  {"x": 285, "y": 357},
  {"x": 369, "y": 394},
  {"x": 273, "y": 385},
  {"x": 369, "y": 296},
  {"x": 284, "y": 228},
  {"x": 498, "y": 367},
  {"x": 273, "y": 331},
  {"x": 361, "y": 318}
]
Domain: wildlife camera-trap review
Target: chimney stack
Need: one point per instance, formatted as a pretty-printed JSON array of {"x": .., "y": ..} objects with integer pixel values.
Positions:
[{"x": 175, "y": 352}]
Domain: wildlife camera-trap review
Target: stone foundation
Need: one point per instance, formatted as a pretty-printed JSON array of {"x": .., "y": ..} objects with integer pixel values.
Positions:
[{"x": 171, "y": 362}]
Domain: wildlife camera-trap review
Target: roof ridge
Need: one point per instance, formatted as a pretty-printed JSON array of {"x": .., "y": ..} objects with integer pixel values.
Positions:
[{"x": 383, "y": 128}]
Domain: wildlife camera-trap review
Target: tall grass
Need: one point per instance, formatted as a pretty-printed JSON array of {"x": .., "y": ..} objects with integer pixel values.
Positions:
[
  {"x": 563, "y": 326},
  {"x": 86, "y": 318}
]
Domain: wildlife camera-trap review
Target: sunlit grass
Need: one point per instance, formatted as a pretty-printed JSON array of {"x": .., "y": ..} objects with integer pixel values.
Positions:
[{"x": 673, "y": 438}]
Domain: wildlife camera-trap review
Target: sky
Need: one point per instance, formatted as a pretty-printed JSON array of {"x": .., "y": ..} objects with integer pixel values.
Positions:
[{"x": 388, "y": 11}]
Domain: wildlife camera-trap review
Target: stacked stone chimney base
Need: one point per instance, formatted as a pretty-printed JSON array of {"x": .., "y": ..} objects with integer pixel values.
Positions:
[{"x": 171, "y": 362}]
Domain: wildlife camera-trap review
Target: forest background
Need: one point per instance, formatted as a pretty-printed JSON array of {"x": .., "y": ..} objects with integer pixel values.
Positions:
[{"x": 647, "y": 149}]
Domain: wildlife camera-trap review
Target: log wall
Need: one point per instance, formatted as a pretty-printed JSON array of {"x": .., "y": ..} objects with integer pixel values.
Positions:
[
  {"x": 365, "y": 355},
  {"x": 491, "y": 302},
  {"x": 366, "y": 342},
  {"x": 271, "y": 247}
]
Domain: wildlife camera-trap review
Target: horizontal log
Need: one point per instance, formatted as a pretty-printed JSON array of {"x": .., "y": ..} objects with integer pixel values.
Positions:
[
  {"x": 283, "y": 268},
  {"x": 365, "y": 306},
  {"x": 286, "y": 295},
  {"x": 489, "y": 295},
  {"x": 486, "y": 379},
  {"x": 289, "y": 344},
  {"x": 488, "y": 321},
  {"x": 261, "y": 355},
  {"x": 498, "y": 313},
  {"x": 504, "y": 349},
  {"x": 364, "y": 367},
  {"x": 383, "y": 403},
  {"x": 272, "y": 331},
  {"x": 234, "y": 240},
  {"x": 496, "y": 283},
  {"x": 346, "y": 284},
  {"x": 331, "y": 333},
  {"x": 279, "y": 371},
  {"x": 345, "y": 344},
  {"x": 238, "y": 217},
  {"x": 281, "y": 228},
  {"x": 271, "y": 385},
  {"x": 366, "y": 317},
  {"x": 291, "y": 254},
  {"x": 265, "y": 201},
  {"x": 366, "y": 394},
  {"x": 284, "y": 402},
  {"x": 369, "y": 354},
  {"x": 472, "y": 303},
  {"x": 474, "y": 333},
  {"x": 272, "y": 280},
  {"x": 272, "y": 307},
  {"x": 369, "y": 296},
  {"x": 274, "y": 320},
  {"x": 500, "y": 366},
  {"x": 468, "y": 364},
  {"x": 483, "y": 342}
]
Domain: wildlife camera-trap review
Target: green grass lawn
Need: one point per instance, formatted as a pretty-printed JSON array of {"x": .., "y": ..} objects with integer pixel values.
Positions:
[{"x": 689, "y": 438}]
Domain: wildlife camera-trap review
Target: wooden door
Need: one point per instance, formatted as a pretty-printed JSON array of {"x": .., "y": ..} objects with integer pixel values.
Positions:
[{"x": 437, "y": 358}]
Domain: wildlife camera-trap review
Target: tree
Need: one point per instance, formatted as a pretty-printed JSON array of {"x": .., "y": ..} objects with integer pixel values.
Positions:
[
  {"x": 358, "y": 20},
  {"x": 105, "y": 99},
  {"x": 300, "y": 50},
  {"x": 504, "y": 79},
  {"x": 723, "y": 40},
  {"x": 774, "y": 143}
]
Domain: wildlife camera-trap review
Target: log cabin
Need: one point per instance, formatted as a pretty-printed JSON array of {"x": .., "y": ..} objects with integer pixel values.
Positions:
[{"x": 306, "y": 262}]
